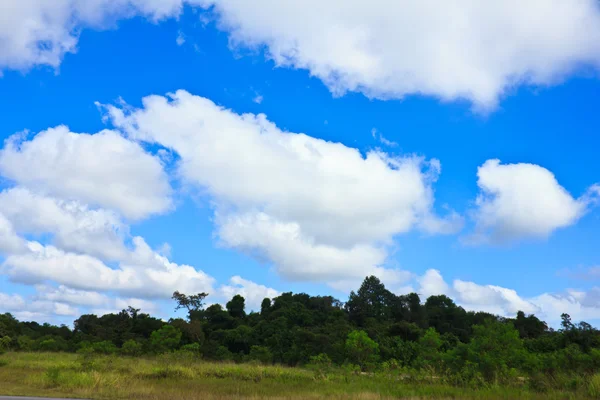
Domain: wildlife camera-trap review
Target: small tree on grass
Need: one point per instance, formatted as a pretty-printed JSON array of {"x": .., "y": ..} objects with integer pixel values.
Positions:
[
  {"x": 261, "y": 354},
  {"x": 361, "y": 349},
  {"x": 131, "y": 348},
  {"x": 4, "y": 344},
  {"x": 165, "y": 339}
]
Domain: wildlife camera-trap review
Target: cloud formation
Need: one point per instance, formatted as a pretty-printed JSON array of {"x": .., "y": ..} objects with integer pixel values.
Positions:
[
  {"x": 252, "y": 292},
  {"x": 455, "y": 50},
  {"x": 103, "y": 169},
  {"x": 452, "y": 50},
  {"x": 41, "y": 32},
  {"x": 144, "y": 274},
  {"x": 523, "y": 200},
  {"x": 318, "y": 210},
  {"x": 74, "y": 226},
  {"x": 580, "y": 304}
]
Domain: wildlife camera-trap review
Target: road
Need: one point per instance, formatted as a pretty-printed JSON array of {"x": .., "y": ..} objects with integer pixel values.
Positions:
[{"x": 32, "y": 398}]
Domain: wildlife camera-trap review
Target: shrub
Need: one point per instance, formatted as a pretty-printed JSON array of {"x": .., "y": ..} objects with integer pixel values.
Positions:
[
  {"x": 320, "y": 364},
  {"x": 52, "y": 377},
  {"x": 165, "y": 339},
  {"x": 261, "y": 354},
  {"x": 4, "y": 344},
  {"x": 223, "y": 354},
  {"x": 594, "y": 386},
  {"x": 191, "y": 348},
  {"x": 131, "y": 348},
  {"x": 25, "y": 343},
  {"x": 104, "y": 347},
  {"x": 361, "y": 349}
]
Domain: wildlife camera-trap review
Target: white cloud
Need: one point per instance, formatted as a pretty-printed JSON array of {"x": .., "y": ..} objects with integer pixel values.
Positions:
[
  {"x": 384, "y": 141},
  {"x": 102, "y": 169},
  {"x": 318, "y": 210},
  {"x": 144, "y": 274},
  {"x": 252, "y": 292},
  {"x": 75, "y": 227},
  {"x": 24, "y": 308},
  {"x": 180, "y": 40},
  {"x": 432, "y": 284},
  {"x": 41, "y": 32},
  {"x": 67, "y": 295},
  {"x": 457, "y": 49},
  {"x": 490, "y": 298},
  {"x": 95, "y": 300},
  {"x": 581, "y": 305},
  {"x": 523, "y": 200},
  {"x": 258, "y": 99},
  {"x": 10, "y": 242}
]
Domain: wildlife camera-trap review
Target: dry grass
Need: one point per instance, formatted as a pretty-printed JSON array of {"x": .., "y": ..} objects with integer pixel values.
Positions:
[{"x": 175, "y": 377}]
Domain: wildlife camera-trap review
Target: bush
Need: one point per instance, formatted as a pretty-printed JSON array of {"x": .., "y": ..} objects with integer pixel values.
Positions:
[
  {"x": 131, "y": 348},
  {"x": 165, "y": 339},
  {"x": 191, "y": 348},
  {"x": 104, "y": 347},
  {"x": 25, "y": 343},
  {"x": 361, "y": 349},
  {"x": 52, "y": 377},
  {"x": 4, "y": 344},
  {"x": 261, "y": 354},
  {"x": 321, "y": 364},
  {"x": 594, "y": 386},
  {"x": 223, "y": 354}
]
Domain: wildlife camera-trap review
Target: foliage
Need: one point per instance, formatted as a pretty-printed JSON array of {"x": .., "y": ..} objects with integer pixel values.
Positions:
[
  {"x": 375, "y": 330},
  {"x": 165, "y": 339},
  {"x": 4, "y": 343},
  {"x": 132, "y": 348},
  {"x": 361, "y": 349},
  {"x": 261, "y": 354}
]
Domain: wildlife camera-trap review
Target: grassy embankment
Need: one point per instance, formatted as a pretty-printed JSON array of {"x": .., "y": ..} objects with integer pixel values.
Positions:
[{"x": 170, "y": 377}]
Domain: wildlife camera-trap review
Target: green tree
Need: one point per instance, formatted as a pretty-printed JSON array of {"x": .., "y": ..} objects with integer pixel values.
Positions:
[
  {"x": 165, "y": 339},
  {"x": 193, "y": 303},
  {"x": 265, "y": 306},
  {"x": 4, "y": 343},
  {"x": 261, "y": 353},
  {"x": 495, "y": 349},
  {"x": 236, "y": 307},
  {"x": 429, "y": 348},
  {"x": 372, "y": 302},
  {"x": 361, "y": 349},
  {"x": 132, "y": 348}
]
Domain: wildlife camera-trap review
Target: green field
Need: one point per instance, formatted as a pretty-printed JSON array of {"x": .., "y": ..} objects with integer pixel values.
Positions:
[{"x": 177, "y": 377}]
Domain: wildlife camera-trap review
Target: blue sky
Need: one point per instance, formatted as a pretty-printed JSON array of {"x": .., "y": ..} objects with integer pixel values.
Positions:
[{"x": 189, "y": 178}]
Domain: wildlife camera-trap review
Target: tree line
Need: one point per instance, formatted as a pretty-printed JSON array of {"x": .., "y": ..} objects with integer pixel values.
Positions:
[{"x": 374, "y": 329}]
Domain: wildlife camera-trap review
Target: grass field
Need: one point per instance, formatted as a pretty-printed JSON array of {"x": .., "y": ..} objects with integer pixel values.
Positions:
[{"x": 178, "y": 377}]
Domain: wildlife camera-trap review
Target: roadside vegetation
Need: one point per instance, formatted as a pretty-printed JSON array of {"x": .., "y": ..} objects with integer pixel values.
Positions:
[
  {"x": 377, "y": 345},
  {"x": 183, "y": 376}
]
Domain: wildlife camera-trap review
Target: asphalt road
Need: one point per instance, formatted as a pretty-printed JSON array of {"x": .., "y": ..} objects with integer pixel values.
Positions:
[{"x": 32, "y": 398}]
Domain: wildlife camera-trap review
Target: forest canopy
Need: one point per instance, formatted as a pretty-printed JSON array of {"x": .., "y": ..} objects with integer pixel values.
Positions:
[{"x": 373, "y": 328}]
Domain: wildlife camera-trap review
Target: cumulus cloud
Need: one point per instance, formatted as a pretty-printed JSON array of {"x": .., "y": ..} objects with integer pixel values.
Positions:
[
  {"x": 452, "y": 50},
  {"x": 318, "y": 210},
  {"x": 580, "y": 304},
  {"x": 144, "y": 274},
  {"x": 10, "y": 242},
  {"x": 523, "y": 200},
  {"x": 24, "y": 308},
  {"x": 94, "y": 300},
  {"x": 75, "y": 226},
  {"x": 455, "y": 50},
  {"x": 103, "y": 169},
  {"x": 41, "y": 32},
  {"x": 252, "y": 292}
]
